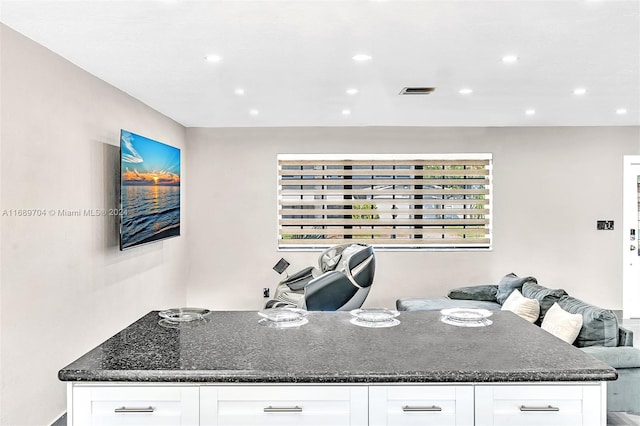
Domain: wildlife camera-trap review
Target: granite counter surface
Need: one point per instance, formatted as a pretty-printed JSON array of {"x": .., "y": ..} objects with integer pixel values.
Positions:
[{"x": 231, "y": 347}]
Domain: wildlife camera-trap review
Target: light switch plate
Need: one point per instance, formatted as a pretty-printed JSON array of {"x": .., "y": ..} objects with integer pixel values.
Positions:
[{"x": 605, "y": 225}]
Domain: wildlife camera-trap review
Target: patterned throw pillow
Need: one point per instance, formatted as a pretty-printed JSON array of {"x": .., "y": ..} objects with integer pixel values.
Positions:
[
  {"x": 562, "y": 324},
  {"x": 528, "y": 309}
]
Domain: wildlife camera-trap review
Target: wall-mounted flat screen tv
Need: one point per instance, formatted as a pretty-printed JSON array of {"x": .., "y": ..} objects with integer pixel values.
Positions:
[{"x": 149, "y": 190}]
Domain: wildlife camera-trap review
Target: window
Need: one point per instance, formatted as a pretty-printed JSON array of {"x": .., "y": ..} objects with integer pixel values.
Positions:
[{"x": 390, "y": 201}]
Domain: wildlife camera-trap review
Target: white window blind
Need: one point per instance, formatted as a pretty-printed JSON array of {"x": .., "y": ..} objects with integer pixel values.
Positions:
[{"x": 416, "y": 201}]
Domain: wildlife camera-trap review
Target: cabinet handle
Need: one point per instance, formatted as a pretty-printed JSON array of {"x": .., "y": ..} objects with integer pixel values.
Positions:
[
  {"x": 408, "y": 408},
  {"x": 547, "y": 408},
  {"x": 271, "y": 409},
  {"x": 148, "y": 409}
]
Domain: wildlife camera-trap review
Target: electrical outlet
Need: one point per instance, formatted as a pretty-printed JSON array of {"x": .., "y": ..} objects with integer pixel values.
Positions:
[{"x": 265, "y": 292}]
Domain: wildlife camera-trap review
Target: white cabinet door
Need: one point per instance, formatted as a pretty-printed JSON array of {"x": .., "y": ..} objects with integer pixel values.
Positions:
[
  {"x": 421, "y": 405},
  {"x": 208, "y": 406},
  {"x": 135, "y": 405},
  {"x": 538, "y": 405},
  {"x": 322, "y": 405},
  {"x": 284, "y": 405}
]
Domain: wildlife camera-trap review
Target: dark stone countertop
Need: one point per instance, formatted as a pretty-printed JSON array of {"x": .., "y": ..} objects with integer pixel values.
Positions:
[{"x": 231, "y": 347}]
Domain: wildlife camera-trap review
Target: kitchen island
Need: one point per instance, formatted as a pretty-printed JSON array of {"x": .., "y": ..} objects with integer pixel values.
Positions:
[{"x": 229, "y": 370}]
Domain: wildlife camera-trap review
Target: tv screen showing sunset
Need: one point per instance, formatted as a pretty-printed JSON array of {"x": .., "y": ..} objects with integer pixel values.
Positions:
[{"x": 150, "y": 190}]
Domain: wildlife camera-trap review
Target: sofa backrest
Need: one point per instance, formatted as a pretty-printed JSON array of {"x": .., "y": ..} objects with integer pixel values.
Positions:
[
  {"x": 599, "y": 326},
  {"x": 546, "y": 297}
]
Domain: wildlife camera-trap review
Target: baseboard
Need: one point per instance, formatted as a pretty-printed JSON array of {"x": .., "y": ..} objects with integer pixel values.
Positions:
[{"x": 62, "y": 421}]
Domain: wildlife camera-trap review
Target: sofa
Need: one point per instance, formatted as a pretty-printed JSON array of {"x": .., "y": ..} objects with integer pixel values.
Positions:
[{"x": 599, "y": 333}]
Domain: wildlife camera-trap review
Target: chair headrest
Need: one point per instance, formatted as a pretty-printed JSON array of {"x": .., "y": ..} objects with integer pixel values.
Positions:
[{"x": 337, "y": 258}]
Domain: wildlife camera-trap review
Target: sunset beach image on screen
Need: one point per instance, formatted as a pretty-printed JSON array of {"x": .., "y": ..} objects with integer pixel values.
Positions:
[{"x": 149, "y": 190}]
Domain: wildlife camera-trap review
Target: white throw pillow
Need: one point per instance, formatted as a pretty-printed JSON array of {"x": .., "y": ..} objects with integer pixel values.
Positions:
[
  {"x": 562, "y": 324},
  {"x": 528, "y": 309}
]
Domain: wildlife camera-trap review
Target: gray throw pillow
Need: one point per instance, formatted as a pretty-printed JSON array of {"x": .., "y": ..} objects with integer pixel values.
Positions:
[
  {"x": 509, "y": 283},
  {"x": 477, "y": 292},
  {"x": 599, "y": 326},
  {"x": 546, "y": 297}
]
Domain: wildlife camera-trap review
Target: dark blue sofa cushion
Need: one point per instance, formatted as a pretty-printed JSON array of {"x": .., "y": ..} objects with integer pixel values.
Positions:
[
  {"x": 599, "y": 326},
  {"x": 546, "y": 297},
  {"x": 509, "y": 283},
  {"x": 478, "y": 292}
]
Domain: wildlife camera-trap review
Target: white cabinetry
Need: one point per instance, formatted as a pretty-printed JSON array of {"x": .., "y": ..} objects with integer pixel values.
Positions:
[
  {"x": 421, "y": 405},
  {"x": 540, "y": 405},
  {"x": 525, "y": 404},
  {"x": 94, "y": 405},
  {"x": 283, "y": 405}
]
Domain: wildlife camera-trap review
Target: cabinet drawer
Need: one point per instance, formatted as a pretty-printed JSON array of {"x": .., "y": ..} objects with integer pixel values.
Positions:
[
  {"x": 284, "y": 405},
  {"x": 557, "y": 405},
  {"x": 421, "y": 405},
  {"x": 135, "y": 405}
]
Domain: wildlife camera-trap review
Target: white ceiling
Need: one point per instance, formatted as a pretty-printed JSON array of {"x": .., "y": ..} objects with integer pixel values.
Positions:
[{"x": 294, "y": 58}]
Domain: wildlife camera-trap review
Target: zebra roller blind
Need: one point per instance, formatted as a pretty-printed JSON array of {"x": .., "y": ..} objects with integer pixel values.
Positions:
[{"x": 391, "y": 201}]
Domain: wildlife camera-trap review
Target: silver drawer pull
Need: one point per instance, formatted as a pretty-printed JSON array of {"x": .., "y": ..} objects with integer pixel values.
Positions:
[
  {"x": 547, "y": 408},
  {"x": 408, "y": 408},
  {"x": 271, "y": 409},
  {"x": 148, "y": 409}
]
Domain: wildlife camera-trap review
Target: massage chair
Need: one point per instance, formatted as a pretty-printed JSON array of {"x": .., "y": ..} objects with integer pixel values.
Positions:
[{"x": 341, "y": 282}]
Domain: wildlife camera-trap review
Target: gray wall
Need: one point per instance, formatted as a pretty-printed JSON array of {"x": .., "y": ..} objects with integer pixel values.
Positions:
[
  {"x": 65, "y": 285},
  {"x": 550, "y": 187}
]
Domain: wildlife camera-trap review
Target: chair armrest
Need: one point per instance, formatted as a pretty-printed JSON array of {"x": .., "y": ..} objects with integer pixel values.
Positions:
[
  {"x": 298, "y": 280},
  {"x": 615, "y": 356},
  {"x": 625, "y": 336}
]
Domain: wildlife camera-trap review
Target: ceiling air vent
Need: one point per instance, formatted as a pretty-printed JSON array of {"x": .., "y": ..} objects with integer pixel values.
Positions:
[{"x": 417, "y": 90}]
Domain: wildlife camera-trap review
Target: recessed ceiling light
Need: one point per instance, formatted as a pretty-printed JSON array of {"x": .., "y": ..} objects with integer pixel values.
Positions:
[
  {"x": 239, "y": 91},
  {"x": 530, "y": 112},
  {"x": 254, "y": 112},
  {"x": 352, "y": 91},
  {"x": 361, "y": 57},
  {"x": 346, "y": 112},
  {"x": 509, "y": 59},
  {"x": 579, "y": 91},
  {"x": 213, "y": 58},
  {"x": 465, "y": 91},
  {"x": 621, "y": 111}
]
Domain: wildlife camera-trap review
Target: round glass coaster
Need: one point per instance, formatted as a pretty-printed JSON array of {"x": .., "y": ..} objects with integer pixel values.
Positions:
[
  {"x": 483, "y": 322},
  {"x": 374, "y": 314},
  {"x": 182, "y": 324},
  {"x": 183, "y": 314},
  {"x": 285, "y": 324},
  {"x": 466, "y": 314},
  {"x": 283, "y": 317},
  {"x": 391, "y": 322}
]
